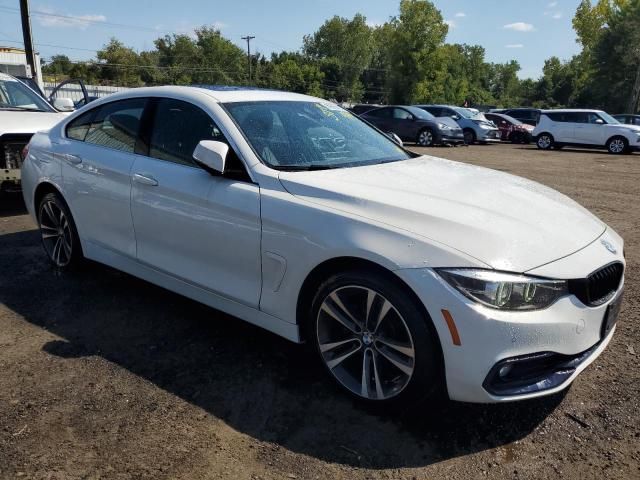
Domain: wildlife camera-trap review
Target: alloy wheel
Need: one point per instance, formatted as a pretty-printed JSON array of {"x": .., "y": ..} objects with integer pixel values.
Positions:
[
  {"x": 57, "y": 237},
  {"x": 365, "y": 342},
  {"x": 544, "y": 142},
  {"x": 426, "y": 138},
  {"x": 617, "y": 145}
]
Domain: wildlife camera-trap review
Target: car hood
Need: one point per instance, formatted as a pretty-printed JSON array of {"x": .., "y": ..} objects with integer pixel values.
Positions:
[
  {"x": 12, "y": 121},
  {"x": 623, "y": 126},
  {"x": 506, "y": 222},
  {"x": 448, "y": 121}
]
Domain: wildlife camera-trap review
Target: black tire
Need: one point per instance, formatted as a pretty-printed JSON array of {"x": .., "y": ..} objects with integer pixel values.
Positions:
[
  {"x": 58, "y": 232},
  {"x": 406, "y": 315},
  {"x": 617, "y": 145},
  {"x": 426, "y": 138},
  {"x": 516, "y": 137},
  {"x": 545, "y": 141},
  {"x": 469, "y": 136}
]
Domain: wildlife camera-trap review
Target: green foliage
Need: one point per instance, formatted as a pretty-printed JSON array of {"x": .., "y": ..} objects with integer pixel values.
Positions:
[{"x": 404, "y": 60}]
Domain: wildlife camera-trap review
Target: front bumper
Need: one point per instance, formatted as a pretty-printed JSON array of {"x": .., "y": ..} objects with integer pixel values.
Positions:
[
  {"x": 488, "y": 336},
  {"x": 484, "y": 135},
  {"x": 452, "y": 137}
]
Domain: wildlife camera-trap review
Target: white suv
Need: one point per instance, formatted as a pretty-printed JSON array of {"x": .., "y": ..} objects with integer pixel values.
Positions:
[{"x": 585, "y": 128}]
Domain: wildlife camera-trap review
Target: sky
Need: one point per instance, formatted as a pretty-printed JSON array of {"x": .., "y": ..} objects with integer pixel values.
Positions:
[{"x": 527, "y": 31}]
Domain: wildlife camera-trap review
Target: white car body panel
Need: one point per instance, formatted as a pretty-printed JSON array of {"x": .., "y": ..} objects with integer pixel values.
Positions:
[{"x": 246, "y": 248}]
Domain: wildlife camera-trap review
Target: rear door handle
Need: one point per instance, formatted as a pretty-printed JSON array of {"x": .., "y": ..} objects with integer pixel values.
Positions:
[{"x": 145, "y": 179}]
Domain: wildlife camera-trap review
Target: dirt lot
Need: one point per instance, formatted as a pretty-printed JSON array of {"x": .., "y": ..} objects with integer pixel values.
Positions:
[{"x": 105, "y": 376}]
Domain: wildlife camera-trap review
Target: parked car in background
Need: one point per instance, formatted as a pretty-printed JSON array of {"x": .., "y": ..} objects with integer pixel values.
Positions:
[
  {"x": 525, "y": 115},
  {"x": 511, "y": 130},
  {"x": 22, "y": 113},
  {"x": 361, "y": 108},
  {"x": 585, "y": 128},
  {"x": 628, "y": 119},
  {"x": 410, "y": 276},
  {"x": 413, "y": 124},
  {"x": 474, "y": 128}
]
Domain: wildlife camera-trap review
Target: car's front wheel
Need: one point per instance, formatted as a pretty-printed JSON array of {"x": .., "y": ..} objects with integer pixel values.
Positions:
[
  {"x": 617, "y": 145},
  {"x": 545, "y": 141},
  {"x": 373, "y": 339},
  {"x": 58, "y": 232},
  {"x": 469, "y": 136},
  {"x": 425, "y": 138}
]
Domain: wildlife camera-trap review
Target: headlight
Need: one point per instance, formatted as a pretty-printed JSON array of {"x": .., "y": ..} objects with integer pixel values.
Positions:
[
  {"x": 505, "y": 291},
  {"x": 442, "y": 126},
  {"x": 486, "y": 126}
]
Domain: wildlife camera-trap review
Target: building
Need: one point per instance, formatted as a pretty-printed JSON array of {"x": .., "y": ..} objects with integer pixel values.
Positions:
[{"x": 14, "y": 62}]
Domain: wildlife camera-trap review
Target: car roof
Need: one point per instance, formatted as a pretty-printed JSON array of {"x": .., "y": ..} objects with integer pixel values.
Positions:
[
  {"x": 218, "y": 93},
  {"x": 573, "y": 110}
]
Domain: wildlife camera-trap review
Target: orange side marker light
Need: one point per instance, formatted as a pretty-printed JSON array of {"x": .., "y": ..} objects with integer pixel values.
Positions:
[{"x": 455, "y": 336}]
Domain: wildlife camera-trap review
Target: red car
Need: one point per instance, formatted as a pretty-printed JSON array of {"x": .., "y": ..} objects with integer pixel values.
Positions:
[{"x": 511, "y": 130}]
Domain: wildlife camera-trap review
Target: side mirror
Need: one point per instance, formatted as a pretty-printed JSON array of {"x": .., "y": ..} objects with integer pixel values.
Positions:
[
  {"x": 211, "y": 156},
  {"x": 455, "y": 117},
  {"x": 599, "y": 121},
  {"x": 64, "y": 104},
  {"x": 395, "y": 138}
]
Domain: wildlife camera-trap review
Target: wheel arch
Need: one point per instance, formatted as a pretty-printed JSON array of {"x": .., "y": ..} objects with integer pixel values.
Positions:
[
  {"x": 617, "y": 135},
  {"x": 336, "y": 265},
  {"x": 43, "y": 189}
]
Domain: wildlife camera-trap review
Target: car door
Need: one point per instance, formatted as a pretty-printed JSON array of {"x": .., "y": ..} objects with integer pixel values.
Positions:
[
  {"x": 190, "y": 224},
  {"x": 381, "y": 118},
  {"x": 97, "y": 155},
  {"x": 566, "y": 123},
  {"x": 589, "y": 128},
  {"x": 404, "y": 125}
]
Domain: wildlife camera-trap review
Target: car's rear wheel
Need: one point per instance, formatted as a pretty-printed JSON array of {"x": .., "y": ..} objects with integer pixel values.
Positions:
[
  {"x": 545, "y": 141},
  {"x": 58, "y": 232},
  {"x": 617, "y": 145},
  {"x": 469, "y": 136},
  {"x": 516, "y": 137},
  {"x": 425, "y": 138},
  {"x": 373, "y": 339}
]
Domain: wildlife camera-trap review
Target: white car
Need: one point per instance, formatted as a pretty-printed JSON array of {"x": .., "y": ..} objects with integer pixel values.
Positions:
[
  {"x": 585, "y": 128},
  {"x": 408, "y": 274},
  {"x": 22, "y": 113}
]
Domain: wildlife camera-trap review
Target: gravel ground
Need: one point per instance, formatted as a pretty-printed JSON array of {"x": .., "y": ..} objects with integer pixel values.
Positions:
[{"x": 106, "y": 376}]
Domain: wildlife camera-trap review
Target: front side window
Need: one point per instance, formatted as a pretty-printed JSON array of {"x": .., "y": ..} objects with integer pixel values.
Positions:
[
  {"x": 177, "y": 129},
  {"x": 116, "y": 124},
  {"x": 400, "y": 114},
  {"x": 301, "y": 135},
  {"x": 14, "y": 95},
  {"x": 78, "y": 128}
]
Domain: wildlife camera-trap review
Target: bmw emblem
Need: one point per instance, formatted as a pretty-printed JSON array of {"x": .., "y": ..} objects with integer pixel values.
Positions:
[{"x": 609, "y": 246}]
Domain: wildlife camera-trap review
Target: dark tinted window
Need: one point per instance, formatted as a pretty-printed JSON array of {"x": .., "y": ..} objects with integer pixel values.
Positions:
[
  {"x": 78, "y": 128},
  {"x": 401, "y": 114},
  {"x": 636, "y": 120},
  {"x": 177, "y": 129},
  {"x": 380, "y": 113},
  {"x": 116, "y": 124},
  {"x": 557, "y": 116},
  {"x": 435, "y": 111}
]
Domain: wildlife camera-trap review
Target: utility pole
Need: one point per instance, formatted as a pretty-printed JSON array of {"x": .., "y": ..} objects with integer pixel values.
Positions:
[
  {"x": 26, "y": 34},
  {"x": 248, "y": 38}
]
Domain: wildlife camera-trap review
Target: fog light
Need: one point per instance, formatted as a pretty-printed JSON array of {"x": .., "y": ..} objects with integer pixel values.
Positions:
[{"x": 504, "y": 371}]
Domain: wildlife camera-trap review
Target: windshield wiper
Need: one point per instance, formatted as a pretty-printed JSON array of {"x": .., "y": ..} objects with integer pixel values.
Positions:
[{"x": 305, "y": 168}]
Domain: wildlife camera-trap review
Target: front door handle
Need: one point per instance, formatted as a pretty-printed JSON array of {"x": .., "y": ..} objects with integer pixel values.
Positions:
[
  {"x": 72, "y": 159},
  {"x": 145, "y": 179}
]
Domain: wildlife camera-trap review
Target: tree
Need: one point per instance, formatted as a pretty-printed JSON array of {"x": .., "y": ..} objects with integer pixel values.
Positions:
[
  {"x": 120, "y": 64},
  {"x": 415, "y": 35},
  {"x": 345, "y": 47}
]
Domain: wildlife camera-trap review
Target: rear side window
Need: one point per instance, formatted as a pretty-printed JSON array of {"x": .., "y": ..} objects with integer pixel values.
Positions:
[
  {"x": 380, "y": 113},
  {"x": 78, "y": 128},
  {"x": 556, "y": 117},
  {"x": 177, "y": 129},
  {"x": 116, "y": 125}
]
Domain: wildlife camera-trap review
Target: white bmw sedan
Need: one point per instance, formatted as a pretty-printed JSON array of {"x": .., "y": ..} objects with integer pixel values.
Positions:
[{"x": 409, "y": 275}]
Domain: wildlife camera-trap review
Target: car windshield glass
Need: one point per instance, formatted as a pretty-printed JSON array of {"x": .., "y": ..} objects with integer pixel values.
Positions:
[
  {"x": 14, "y": 95},
  {"x": 464, "y": 112},
  {"x": 420, "y": 113},
  {"x": 608, "y": 118},
  {"x": 515, "y": 121},
  {"x": 292, "y": 135}
]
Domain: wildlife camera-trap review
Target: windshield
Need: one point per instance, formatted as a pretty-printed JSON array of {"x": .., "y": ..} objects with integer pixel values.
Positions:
[
  {"x": 311, "y": 136},
  {"x": 464, "y": 112},
  {"x": 420, "y": 113},
  {"x": 14, "y": 95},
  {"x": 608, "y": 118}
]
